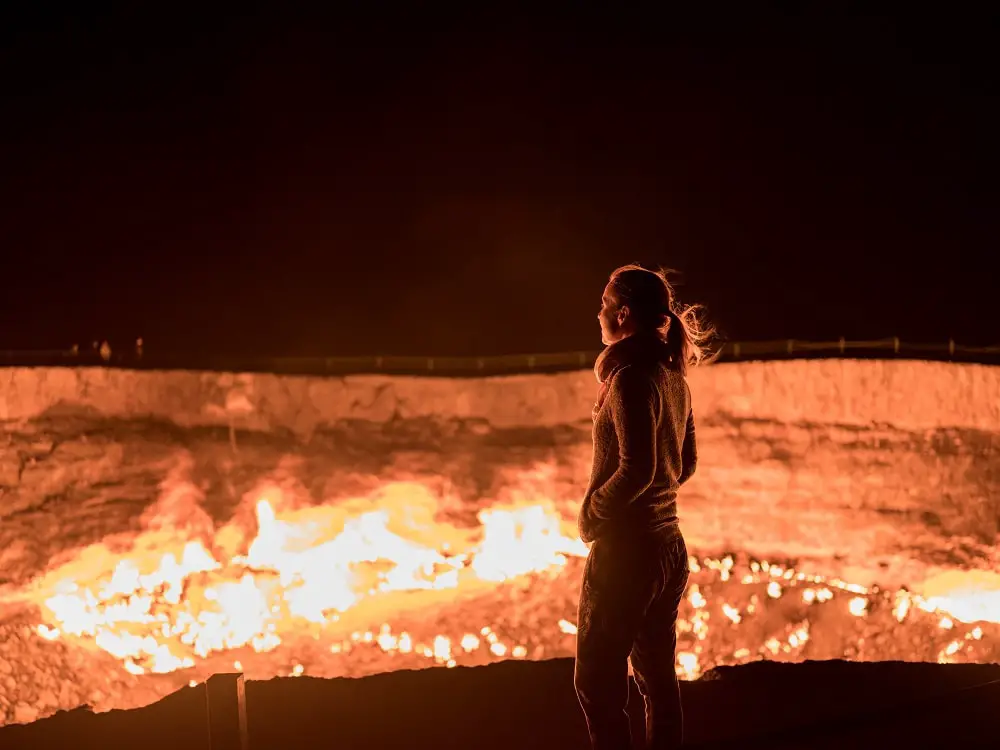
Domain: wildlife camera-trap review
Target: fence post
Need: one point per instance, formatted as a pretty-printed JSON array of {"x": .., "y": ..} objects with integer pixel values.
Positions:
[
  {"x": 895, "y": 344},
  {"x": 842, "y": 343},
  {"x": 791, "y": 345},
  {"x": 227, "y": 712},
  {"x": 736, "y": 350},
  {"x": 951, "y": 347}
]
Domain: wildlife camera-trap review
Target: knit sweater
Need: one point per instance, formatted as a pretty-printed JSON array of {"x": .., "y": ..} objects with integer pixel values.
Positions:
[{"x": 644, "y": 442}]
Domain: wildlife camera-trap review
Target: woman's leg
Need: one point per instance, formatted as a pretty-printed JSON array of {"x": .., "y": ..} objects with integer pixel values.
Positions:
[
  {"x": 654, "y": 653},
  {"x": 618, "y": 584}
]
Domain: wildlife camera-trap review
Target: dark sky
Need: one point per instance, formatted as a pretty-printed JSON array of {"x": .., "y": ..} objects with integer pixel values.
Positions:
[{"x": 279, "y": 184}]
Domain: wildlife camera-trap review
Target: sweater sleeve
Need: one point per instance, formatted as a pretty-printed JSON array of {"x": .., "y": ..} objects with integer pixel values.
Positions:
[
  {"x": 689, "y": 451},
  {"x": 632, "y": 399}
]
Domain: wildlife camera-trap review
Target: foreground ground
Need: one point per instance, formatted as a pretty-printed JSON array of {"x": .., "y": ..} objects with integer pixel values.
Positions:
[{"x": 531, "y": 705}]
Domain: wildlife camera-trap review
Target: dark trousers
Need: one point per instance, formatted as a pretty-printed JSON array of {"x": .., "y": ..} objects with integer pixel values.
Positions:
[{"x": 632, "y": 587}]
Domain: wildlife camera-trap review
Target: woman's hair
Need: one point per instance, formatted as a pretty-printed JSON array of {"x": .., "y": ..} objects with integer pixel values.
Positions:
[{"x": 650, "y": 299}]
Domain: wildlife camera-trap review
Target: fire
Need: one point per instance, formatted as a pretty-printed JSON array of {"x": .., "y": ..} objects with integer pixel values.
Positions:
[
  {"x": 304, "y": 566},
  {"x": 968, "y": 596},
  {"x": 358, "y": 581}
]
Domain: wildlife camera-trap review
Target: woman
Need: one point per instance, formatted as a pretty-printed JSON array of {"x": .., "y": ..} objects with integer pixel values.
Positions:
[{"x": 644, "y": 450}]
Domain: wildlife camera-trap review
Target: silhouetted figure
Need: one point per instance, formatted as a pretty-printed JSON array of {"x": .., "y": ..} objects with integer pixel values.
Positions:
[{"x": 637, "y": 569}]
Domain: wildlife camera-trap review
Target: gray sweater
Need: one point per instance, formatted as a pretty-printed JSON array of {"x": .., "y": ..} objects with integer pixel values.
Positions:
[{"x": 644, "y": 450}]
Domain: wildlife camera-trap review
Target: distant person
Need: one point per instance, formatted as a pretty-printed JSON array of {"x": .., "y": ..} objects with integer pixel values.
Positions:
[{"x": 637, "y": 569}]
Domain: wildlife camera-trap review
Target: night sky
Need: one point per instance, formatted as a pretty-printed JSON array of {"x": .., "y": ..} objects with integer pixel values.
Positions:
[{"x": 252, "y": 183}]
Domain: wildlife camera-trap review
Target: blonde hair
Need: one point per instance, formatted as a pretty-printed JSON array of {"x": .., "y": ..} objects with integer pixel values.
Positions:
[{"x": 651, "y": 301}]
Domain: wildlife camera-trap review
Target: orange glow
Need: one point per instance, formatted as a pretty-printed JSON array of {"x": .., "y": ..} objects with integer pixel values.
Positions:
[
  {"x": 167, "y": 604},
  {"x": 171, "y": 602},
  {"x": 968, "y": 596}
]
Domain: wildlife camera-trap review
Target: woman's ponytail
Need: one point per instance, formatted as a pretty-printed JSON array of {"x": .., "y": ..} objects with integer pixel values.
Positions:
[{"x": 687, "y": 338}]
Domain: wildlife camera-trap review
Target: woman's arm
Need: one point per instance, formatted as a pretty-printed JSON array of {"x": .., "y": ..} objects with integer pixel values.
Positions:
[
  {"x": 632, "y": 399},
  {"x": 689, "y": 451}
]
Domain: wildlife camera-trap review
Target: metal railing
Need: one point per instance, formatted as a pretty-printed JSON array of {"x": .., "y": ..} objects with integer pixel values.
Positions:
[{"x": 889, "y": 348}]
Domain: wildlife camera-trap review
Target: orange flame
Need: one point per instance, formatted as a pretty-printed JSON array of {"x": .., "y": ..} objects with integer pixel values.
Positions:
[
  {"x": 158, "y": 612},
  {"x": 184, "y": 590}
]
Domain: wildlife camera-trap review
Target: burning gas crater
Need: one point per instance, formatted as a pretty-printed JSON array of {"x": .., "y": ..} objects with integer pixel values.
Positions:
[
  {"x": 162, "y": 614},
  {"x": 320, "y": 590}
]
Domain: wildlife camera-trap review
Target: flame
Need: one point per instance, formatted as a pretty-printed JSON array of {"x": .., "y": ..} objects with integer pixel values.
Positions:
[
  {"x": 968, "y": 596},
  {"x": 184, "y": 590},
  {"x": 303, "y": 566}
]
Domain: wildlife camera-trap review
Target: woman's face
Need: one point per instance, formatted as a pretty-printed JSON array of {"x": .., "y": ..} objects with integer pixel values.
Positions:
[{"x": 612, "y": 317}]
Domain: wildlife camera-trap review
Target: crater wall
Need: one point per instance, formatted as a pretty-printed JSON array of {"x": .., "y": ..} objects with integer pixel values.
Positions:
[
  {"x": 906, "y": 394},
  {"x": 886, "y": 468}
]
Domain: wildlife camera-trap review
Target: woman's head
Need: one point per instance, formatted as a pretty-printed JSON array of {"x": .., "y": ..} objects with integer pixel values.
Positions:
[{"x": 637, "y": 300}]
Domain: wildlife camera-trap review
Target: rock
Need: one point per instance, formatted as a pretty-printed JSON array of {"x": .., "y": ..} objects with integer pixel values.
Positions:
[
  {"x": 67, "y": 696},
  {"x": 14, "y": 552},
  {"x": 5, "y": 667},
  {"x": 24, "y": 714},
  {"x": 73, "y": 462},
  {"x": 40, "y": 447},
  {"x": 48, "y": 699},
  {"x": 10, "y": 468},
  {"x": 903, "y": 393}
]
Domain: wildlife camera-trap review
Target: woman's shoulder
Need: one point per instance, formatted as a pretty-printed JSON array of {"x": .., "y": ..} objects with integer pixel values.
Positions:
[{"x": 633, "y": 381}]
